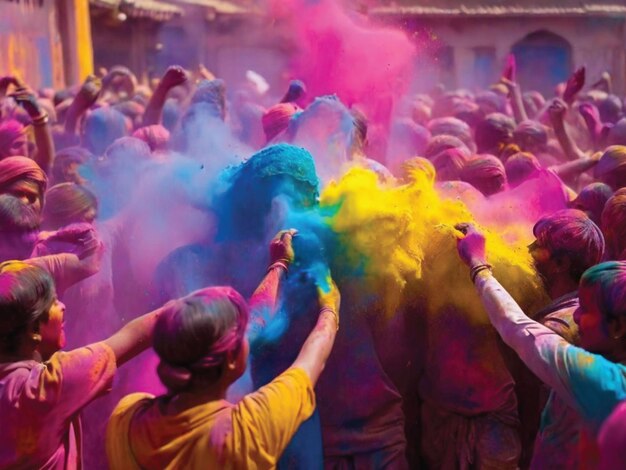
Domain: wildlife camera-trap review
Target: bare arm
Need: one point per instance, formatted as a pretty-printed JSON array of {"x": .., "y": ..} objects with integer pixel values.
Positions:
[
  {"x": 134, "y": 337},
  {"x": 43, "y": 137},
  {"x": 174, "y": 76},
  {"x": 263, "y": 302},
  {"x": 574, "y": 168},
  {"x": 557, "y": 112},
  {"x": 86, "y": 96},
  {"x": 318, "y": 345},
  {"x": 517, "y": 103}
]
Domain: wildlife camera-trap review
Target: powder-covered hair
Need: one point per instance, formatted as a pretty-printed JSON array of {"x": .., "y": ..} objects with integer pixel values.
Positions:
[
  {"x": 592, "y": 199},
  {"x": 486, "y": 173},
  {"x": 608, "y": 284},
  {"x": 571, "y": 233},
  {"x": 26, "y": 296},
  {"x": 194, "y": 335},
  {"x": 67, "y": 203},
  {"x": 520, "y": 167},
  {"x": 494, "y": 132},
  {"x": 613, "y": 222}
]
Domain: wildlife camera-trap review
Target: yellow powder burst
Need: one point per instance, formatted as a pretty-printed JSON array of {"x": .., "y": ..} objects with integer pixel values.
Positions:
[{"x": 406, "y": 236}]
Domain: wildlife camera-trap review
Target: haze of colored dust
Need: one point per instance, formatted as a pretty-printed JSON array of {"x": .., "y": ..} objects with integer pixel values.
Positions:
[
  {"x": 345, "y": 54},
  {"x": 402, "y": 239}
]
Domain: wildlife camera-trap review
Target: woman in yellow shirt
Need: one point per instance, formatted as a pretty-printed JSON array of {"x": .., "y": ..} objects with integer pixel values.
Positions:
[{"x": 202, "y": 346}]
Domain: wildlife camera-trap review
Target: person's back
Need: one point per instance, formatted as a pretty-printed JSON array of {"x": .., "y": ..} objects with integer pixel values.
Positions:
[
  {"x": 217, "y": 434},
  {"x": 203, "y": 349}
]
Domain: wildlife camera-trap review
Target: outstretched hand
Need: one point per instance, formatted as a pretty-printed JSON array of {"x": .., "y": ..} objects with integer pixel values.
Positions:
[
  {"x": 28, "y": 100},
  {"x": 328, "y": 294},
  {"x": 281, "y": 249},
  {"x": 557, "y": 110},
  {"x": 470, "y": 244},
  {"x": 174, "y": 76},
  {"x": 574, "y": 84},
  {"x": 510, "y": 69}
]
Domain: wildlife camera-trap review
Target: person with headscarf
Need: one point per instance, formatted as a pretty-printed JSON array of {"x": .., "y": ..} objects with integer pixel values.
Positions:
[
  {"x": 67, "y": 163},
  {"x": 43, "y": 389},
  {"x": 494, "y": 133},
  {"x": 438, "y": 144},
  {"x": 531, "y": 136},
  {"x": 611, "y": 168},
  {"x": 521, "y": 167},
  {"x": 592, "y": 199},
  {"x": 66, "y": 204},
  {"x": 156, "y": 136},
  {"x": 449, "y": 164},
  {"x": 589, "y": 377},
  {"x": 454, "y": 127},
  {"x": 101, "y": 128},
  {"x": 613, "y": 223},
  {"x": 486, "y": 173},
  {"x": 276, "y": 119},
  {"x": 145, "y": 432}
]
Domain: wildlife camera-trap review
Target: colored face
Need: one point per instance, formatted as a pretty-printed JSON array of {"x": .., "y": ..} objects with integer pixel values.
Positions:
[
  {"x": 19, "y": 147},
  {"x": 541, "y": 257},
  {"x": 26, "y": 191},
  {"x": 594, "y": 335},
  {"x": 52, "y": 331}
]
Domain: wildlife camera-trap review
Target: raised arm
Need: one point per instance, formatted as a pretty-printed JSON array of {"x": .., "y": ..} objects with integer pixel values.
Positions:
[
  {"x": 318, "y": 345},
  {"x": 174, "y": 76},
  {"x": 134, "y": 337},
  {"x": 541, "y": 349},
  {"x": 556, "y": 112},
  {"x": 264, "y": 300},
  {"x": 84, "y": 99},
  {"x": 43, "y": 137}
]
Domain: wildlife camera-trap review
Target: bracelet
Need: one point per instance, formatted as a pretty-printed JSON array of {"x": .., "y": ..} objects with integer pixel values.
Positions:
[
  {"x": 41, "y": 120},
  {"x": 278, "y": 264},
  {"x": 475, "y": 270},
  {"x": 330, "y": 310}
]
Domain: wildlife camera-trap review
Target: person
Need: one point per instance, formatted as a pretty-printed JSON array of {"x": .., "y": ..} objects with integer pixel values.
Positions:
[
  {"x": 613, "y": 223},
  {"x": 145, "y": 431},
  {"x": 567, "y": 244},
  {"x": 611, "y": 168},
  {"x": 22, "y": 187},
  {"x": 68, "y": 203},
  {"x": 592, "y": 199},
  {"x": 42, "y": 389},
  {"x": 591, "y": 378},
  {"x": 486, "y": 173}
]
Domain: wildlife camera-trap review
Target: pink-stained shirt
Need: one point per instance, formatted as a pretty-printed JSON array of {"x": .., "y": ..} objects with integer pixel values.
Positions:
[
  {"x": 40, "y": 402},
  {"x": 588, "y": 383}
]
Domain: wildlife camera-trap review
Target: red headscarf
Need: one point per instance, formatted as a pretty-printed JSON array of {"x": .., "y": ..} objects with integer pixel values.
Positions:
[{"x": 22, "y": 168}]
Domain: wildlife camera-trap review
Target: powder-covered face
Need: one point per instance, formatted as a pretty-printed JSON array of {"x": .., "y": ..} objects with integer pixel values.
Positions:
[
  {"x": 19, "y": 147},
  {"x": 53, "y": 331},
  {"x": 26, "y": 191},
  {"x": 593, "y": 331}
]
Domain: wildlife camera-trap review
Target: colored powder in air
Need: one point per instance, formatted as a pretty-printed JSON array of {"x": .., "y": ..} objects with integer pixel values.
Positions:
[
  {"x": 401, "y": 242},
  {"x": 345, "y": 54}
]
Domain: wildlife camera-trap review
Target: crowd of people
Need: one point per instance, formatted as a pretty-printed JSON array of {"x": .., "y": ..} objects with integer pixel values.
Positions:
[{"x": 273, "y": 339}]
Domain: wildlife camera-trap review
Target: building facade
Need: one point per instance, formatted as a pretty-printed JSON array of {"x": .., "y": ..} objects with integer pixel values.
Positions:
[{"x": 467, "y": 41}]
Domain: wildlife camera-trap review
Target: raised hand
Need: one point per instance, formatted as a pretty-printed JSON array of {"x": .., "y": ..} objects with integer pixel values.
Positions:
[
  {"x": 574, "y": 84},
  {"x": 281, "y": 249},
  {"x": 174, "y": 76},
  {"x": 471, "y": 245}
]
